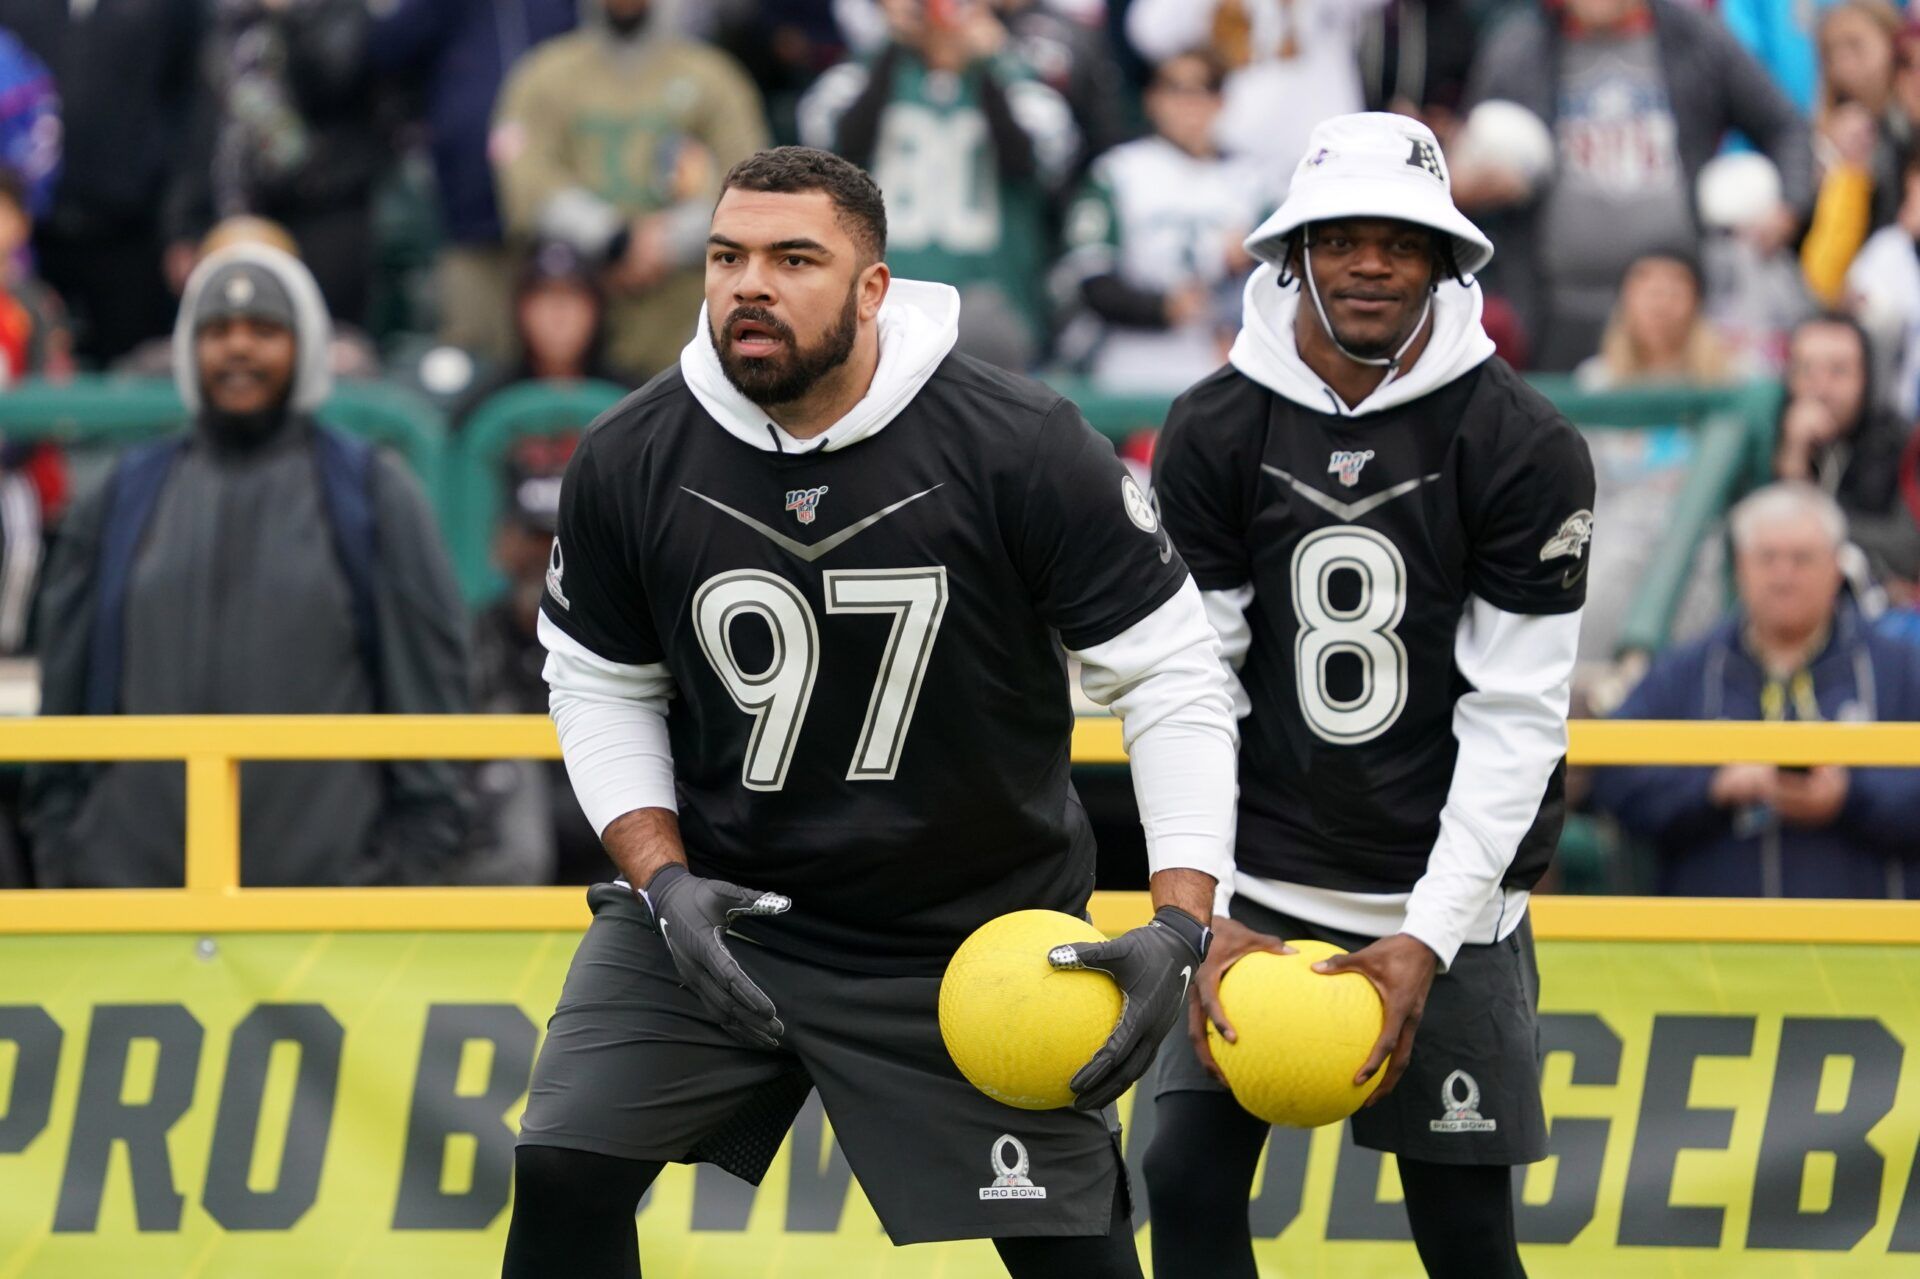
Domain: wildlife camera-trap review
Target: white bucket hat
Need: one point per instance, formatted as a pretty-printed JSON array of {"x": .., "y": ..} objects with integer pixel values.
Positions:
[{"x": 1373, "y": 164}]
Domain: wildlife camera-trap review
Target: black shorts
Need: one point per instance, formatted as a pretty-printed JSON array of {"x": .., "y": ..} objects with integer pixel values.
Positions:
[
  {"x": 634, "y": 1067},
  {"x": 1471, "y": 1094}
]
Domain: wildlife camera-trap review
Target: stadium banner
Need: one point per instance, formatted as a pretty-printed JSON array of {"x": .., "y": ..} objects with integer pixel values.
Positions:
[{"x": 344, "y": 1105}]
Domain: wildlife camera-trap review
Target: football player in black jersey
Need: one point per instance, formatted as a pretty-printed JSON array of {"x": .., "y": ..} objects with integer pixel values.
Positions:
[
  {"x": 1390, "y": 530},
  {"x": 808, "y": 616}
]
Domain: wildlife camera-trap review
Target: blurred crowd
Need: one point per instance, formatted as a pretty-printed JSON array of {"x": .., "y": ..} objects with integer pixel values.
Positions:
[{"x": 479, "y": 193}]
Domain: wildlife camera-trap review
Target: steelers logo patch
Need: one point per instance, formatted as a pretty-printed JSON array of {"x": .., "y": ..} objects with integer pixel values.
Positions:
[{"x": 1139, "y": 508}]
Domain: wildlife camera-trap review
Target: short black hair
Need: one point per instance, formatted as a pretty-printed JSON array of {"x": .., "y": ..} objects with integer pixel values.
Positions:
[{"x": 790, "y": 170}]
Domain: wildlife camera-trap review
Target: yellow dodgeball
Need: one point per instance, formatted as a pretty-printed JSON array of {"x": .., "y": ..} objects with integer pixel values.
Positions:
[
  {"x": 1017, "y": 1027},
  {"x": 1301, "y": 1036}
]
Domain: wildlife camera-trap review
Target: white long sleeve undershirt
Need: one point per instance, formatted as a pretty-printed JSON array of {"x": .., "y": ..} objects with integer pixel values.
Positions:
[{"x": 612, "y": 721}]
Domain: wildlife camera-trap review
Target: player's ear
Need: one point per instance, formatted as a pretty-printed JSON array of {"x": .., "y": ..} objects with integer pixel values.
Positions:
[{"x": 871, "y": 285}]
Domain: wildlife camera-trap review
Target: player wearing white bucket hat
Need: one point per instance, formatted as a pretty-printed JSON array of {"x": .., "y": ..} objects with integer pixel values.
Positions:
[{"x": 1389, "y": 528}]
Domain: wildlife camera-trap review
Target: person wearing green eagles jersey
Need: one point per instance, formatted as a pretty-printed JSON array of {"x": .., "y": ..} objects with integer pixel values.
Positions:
[{"x": 967, "y": 146}]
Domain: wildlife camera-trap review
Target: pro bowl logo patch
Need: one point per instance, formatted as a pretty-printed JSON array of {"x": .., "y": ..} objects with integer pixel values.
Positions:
[
  {"x": 556, "y": 570},
  {"x": 805, "y": 503},
  {"x": 1570, "y": 538},
  {"x": 1010, "y": 1180},
  {"x": 1460, "y": 1096}
]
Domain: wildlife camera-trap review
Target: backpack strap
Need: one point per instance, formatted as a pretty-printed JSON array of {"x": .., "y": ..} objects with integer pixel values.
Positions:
[
  {"x": 133, "y": 494},
  {"x": 345, "y": 467}
]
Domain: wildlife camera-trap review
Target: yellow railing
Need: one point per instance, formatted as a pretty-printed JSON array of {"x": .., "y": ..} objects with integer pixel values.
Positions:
[{"x": 212, "y": 901}]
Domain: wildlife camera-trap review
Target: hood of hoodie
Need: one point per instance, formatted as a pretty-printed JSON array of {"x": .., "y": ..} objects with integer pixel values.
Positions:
[
  {"x": 312, "y": 335},
  {"x": 1266, "y": 352},
  {"x": 919, "y": 323}
]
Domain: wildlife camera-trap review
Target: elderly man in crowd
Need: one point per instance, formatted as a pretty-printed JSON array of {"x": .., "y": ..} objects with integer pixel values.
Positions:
[{"x": 1795, "y": 648}]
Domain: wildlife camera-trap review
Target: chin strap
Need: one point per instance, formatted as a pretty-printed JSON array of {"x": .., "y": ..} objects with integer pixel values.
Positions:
[{"x": 1390, "y": 363}]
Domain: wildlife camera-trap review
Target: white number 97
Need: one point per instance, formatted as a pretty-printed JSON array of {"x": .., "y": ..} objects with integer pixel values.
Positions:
[{"x": 777, "y": 696}]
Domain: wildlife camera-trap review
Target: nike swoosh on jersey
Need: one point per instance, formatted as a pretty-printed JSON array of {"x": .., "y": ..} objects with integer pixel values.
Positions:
[
  {"x": 1571, "y": 577},
  {"x": 1349, "y": 511},
  {"x": 825, "y": 545}
]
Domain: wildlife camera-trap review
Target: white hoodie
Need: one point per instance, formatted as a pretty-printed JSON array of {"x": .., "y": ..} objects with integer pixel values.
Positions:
[
  {"x": 1265, "y": 350},
  {"x": 1511, "y": 724},
  {"x": 918, "y": 323},
  {"x": 1162, "y": 676}
]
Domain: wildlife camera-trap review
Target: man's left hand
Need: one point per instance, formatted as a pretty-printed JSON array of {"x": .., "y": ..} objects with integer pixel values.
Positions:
[
  {"x": 1152, "y": 965},
  {"x": 1813, "y": 798},
  {"x": 1401, "y": 968}
]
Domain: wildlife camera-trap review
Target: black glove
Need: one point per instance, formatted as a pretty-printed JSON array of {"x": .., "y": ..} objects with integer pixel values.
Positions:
[
  {"x": 693, "y": 914},
  {"x": 1152, "y": 965}
]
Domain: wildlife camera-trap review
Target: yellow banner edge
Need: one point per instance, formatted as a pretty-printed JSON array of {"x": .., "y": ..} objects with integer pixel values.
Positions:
[{"x": 43, "y": 912}]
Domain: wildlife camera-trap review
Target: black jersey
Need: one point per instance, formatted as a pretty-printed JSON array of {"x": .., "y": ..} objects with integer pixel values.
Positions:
[
  {"x": 1363, "y": 539},
  {"x": 872, "y": 712}
]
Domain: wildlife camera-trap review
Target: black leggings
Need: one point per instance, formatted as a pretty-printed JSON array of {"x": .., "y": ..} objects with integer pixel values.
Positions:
[
  {"x": 1199, "y": 1174},
  {"x": 573, "y": 1216}
]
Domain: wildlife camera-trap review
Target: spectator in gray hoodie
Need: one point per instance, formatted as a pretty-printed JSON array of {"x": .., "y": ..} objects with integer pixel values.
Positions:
[
  {"x": 1640, "y": 94},
  {"x": 259, "y": 564}
]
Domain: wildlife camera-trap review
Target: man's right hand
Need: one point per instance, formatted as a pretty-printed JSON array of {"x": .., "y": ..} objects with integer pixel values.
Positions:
[
  {"x": 1231, "y": 941},
  {"x": 693, "y": 914},
  {"x": 1805, "y": 428},
  {"x": 1743, "y": 785}
]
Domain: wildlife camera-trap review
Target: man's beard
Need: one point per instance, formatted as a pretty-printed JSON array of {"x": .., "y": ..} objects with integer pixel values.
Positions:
[
  {"x": 784, "y": 378},
  {"x": 1372, "y": 348},
  {"x": 627, "y": 25},
  {"x": 244, "y": 430}
]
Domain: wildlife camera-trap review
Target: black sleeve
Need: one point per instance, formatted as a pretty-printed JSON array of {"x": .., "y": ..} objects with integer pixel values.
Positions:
[
  {"x": 327, "y": 56},
  {"x": 858, "y": 132},
  {"x": 1531, "y": 518},
  {"x": 1013, "y": 152},
  {"x": 1200, "y": 487},
  {"x": 1088, "y": 544},
  {"x": 1117, "y": 302},
  {"x": 593, "y": 589},
  {"x": 422, "y": 633},
  {"x": 62, "y": 623},
  {"x": 1757, "y": 107}
]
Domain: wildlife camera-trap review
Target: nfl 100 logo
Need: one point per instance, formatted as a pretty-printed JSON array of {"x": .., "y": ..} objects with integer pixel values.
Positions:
[
  {"x": 1346, "y": 464},
  {"x": 805, "y": 503}
]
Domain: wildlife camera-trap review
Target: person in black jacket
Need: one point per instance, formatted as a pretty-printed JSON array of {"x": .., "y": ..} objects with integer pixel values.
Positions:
[
  {"x": 287, "y": 129},
  {"x": 1835, "y": 431},
  {"x": 126, "y": 75}
]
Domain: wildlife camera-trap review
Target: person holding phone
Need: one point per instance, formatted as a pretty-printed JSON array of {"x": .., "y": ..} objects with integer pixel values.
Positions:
[{"x": 1796, "y": 648}]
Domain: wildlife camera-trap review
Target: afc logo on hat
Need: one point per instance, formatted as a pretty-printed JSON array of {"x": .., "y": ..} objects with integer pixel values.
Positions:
[{"x": 1423, "y": 156}]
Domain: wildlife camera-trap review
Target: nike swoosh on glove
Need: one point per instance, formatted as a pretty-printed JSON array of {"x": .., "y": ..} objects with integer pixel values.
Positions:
[
  {"x": 693, "y": 914},
  {"x": 1152, "y": 965}
]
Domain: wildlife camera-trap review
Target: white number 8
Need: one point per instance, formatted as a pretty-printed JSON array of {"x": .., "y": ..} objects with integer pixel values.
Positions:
[{"x": 1366, "y": 631}]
